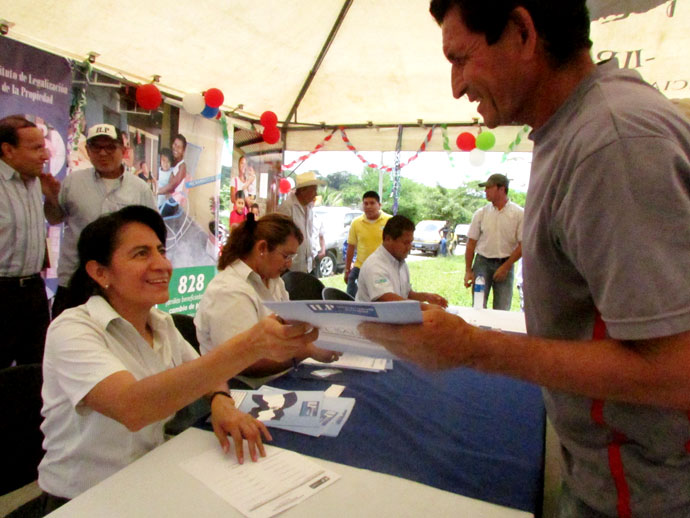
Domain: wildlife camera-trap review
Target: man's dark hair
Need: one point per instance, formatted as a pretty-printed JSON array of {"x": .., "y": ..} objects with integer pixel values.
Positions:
[
  {"x": 9, "y": 127},
  {"x": 396, "y": 226},
  {"x": 563, "y": 25},
  {"x": 372, "y": 194}
]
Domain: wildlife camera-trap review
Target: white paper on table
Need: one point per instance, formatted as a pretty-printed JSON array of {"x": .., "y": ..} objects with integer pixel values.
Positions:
[
  {"x": 354, "y": 362},
  {"x": 264, "y": 488},
  {"x": 338, "y": 320},
  {"x": 506, "y": 321}
]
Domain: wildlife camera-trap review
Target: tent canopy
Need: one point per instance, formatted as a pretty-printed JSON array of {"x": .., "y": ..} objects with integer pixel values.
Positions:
[{"x": 323, "y": 62}]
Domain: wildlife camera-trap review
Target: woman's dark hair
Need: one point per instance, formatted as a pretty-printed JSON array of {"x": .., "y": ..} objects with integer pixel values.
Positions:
[
  {"x": 563, "y": 25},
  {"x": 273, "y": 228},
  {"x": 99, "y": 240}
]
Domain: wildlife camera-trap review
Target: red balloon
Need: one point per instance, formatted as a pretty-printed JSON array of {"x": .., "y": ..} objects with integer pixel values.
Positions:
[
  {"x": 213, "y": 97},
  {"x": 271, "y": 135},
  {"x": 466, "y": 141},
  {"x": 149, "y": 97},
  {"x": 268, "y": 119},
  {"x": 285, "y": 186}
]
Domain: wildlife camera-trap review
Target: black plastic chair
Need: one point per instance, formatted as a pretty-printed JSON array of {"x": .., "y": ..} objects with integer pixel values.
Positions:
[
  {"x": 329, "y": 293},
  {"x": 302, "y": 286},
  {"x": 185, "y": 325},
  {"x": 189, "y": 415},
  {"x": 21, "y": 438}
]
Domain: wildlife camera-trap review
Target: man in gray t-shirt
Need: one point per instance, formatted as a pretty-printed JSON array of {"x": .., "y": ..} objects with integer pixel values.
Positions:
[
  {"x": 606, "y": 248},
  {"x": 89, "y": 193}
]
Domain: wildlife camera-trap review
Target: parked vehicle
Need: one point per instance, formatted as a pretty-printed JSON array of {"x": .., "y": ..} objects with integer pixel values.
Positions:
[
  {"x": 427, "y": 237},
  {"x": 336, "y": 222}
]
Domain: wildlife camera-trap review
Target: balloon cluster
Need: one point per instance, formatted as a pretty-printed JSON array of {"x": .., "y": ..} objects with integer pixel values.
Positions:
[
  {"x": 149, "y": 96},
  {"x": 466, "y": 141},
  {"x": 271, "y": 133},
  {"x": 207, "y": 104}
]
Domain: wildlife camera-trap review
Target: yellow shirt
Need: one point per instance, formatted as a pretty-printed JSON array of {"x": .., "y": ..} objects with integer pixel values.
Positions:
[{"x": 366, "y": 235}]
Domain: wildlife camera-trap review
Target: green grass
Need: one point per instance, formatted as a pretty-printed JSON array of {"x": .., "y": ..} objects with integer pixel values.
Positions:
[{"x": 442, "y": 275}]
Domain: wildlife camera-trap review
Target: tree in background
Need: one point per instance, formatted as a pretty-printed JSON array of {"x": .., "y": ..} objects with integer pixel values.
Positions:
[{"x": 417, "y": 201}]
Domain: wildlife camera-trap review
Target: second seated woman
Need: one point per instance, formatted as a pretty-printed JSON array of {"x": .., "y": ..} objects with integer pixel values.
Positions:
[{"x": 250, "y": 265}]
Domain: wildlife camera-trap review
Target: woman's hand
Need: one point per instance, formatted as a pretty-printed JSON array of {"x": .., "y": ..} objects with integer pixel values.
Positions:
[
  {"x": 228, "y": 420},
  {"x": 279, "y": 341}
]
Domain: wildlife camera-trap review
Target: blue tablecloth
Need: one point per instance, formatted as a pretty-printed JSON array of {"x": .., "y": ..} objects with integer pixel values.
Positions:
[{"x": 463, "y": 431}]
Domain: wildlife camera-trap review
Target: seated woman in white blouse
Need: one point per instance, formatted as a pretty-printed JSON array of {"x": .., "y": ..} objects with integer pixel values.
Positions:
[
  {"x": 116, "y": 368},
  {"x": 251, "y": 262}
]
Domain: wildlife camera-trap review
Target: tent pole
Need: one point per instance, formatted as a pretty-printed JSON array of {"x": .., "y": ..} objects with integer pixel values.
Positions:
[{"x": 315, "y": 68}]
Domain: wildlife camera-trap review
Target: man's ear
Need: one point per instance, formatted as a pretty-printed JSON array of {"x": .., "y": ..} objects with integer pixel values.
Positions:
[
  {"x": 98, "y": 273},
  {"x": 525, "y": 29}
]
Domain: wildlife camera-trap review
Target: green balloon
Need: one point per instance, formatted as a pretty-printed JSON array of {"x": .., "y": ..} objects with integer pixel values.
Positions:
[{"x": 485, "y": 140}]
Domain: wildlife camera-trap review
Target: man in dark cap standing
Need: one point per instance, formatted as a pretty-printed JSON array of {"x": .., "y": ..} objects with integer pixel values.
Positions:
[{"x": 496, "y": 235}]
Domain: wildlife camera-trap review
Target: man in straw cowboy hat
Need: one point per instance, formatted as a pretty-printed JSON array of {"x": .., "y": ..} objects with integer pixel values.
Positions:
[{"x": 299, "y": 206}]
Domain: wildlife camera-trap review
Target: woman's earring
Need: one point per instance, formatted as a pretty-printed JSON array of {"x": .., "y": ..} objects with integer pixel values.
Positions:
[{"x": 107, "y": 286}]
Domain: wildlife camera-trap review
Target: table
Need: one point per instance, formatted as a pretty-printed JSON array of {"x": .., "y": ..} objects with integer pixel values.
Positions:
[
  {"x": 156, "y": 486},
  {"x": 415, "y": 442}
]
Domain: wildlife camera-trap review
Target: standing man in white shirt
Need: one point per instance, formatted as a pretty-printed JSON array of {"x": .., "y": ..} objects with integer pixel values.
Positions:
[
  {"x": 496, "y": 234},
  {"x": 23, "y": 301},
  {"x": 89, "y": 193},
  {"x": 384, "y": 276},
  {"x": 299, "y": 205}
]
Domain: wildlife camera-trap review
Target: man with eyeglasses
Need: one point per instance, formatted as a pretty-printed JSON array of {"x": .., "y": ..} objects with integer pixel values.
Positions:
[
  {"x": 23, "y": 301},
  {"x": 89, "y": 193}
]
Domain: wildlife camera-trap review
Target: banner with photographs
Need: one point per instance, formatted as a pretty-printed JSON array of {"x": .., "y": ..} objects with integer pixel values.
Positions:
[{"x": 38, "y": 85}]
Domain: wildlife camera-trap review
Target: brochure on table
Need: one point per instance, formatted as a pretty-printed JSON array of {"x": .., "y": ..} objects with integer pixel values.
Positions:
[{"x": 338, "y": 320}]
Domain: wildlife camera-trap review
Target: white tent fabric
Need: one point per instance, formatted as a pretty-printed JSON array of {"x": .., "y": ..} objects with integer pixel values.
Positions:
[{"x": 384, "y": 65}]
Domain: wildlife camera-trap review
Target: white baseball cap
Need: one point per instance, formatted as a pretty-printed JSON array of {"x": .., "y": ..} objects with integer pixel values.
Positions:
[{"x": 103, "y": 130}]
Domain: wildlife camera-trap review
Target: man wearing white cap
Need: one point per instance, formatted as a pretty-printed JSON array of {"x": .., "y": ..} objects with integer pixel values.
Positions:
[
  {"x": 89, "y": 193},
  {"x": 299, "y": 206}
]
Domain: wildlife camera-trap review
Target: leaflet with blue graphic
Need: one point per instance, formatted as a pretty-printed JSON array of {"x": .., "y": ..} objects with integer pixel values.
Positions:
[
  {"x": 298, "y": 407},
  {"x": 333, "y": 411},
  {"x": 338, "y": 320}
]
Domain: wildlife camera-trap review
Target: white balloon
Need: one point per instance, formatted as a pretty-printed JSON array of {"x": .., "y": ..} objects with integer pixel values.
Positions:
[
  {"x": 193, "y": 103},
  {"x": 477, "y": 157},
  {"x": 292, "y": 182}
]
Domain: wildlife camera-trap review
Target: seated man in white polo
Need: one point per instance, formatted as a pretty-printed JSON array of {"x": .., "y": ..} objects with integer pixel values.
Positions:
[{"x": 384, "y": 276}]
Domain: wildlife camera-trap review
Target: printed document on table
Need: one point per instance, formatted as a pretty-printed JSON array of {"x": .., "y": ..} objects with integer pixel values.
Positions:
[
  {"x": 338, "y": 320},
  {"x": 353, "y": 361},
  {"x": 264, "y": 488}
]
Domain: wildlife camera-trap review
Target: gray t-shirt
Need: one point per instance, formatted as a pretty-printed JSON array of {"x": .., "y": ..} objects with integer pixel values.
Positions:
[
  {"x": 607, "y": 231},
  {"x": 85, "y": 196}
]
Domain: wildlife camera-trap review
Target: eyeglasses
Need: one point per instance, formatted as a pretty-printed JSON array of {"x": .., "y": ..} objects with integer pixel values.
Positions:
[
  {"x": 287, "y": 257},
  {"x": 108, "y": 148}
]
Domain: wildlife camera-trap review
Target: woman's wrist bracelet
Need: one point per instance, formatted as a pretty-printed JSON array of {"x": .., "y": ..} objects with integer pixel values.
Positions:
[{"x": 220, "y": 393}]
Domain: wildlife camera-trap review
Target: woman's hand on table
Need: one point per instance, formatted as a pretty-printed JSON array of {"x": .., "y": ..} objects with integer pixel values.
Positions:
[{"x": 228, "y": 420}]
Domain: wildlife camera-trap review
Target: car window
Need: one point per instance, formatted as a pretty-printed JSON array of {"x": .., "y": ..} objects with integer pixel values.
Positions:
[{"x": 429, "y": 226}]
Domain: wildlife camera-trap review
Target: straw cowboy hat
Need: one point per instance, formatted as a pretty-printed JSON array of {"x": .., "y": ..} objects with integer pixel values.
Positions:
[{"x": 307, "y": 179}]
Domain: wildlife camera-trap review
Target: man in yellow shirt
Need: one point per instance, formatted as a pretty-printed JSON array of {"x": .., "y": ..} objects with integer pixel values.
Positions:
[{"x": 366, "y": 235}]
